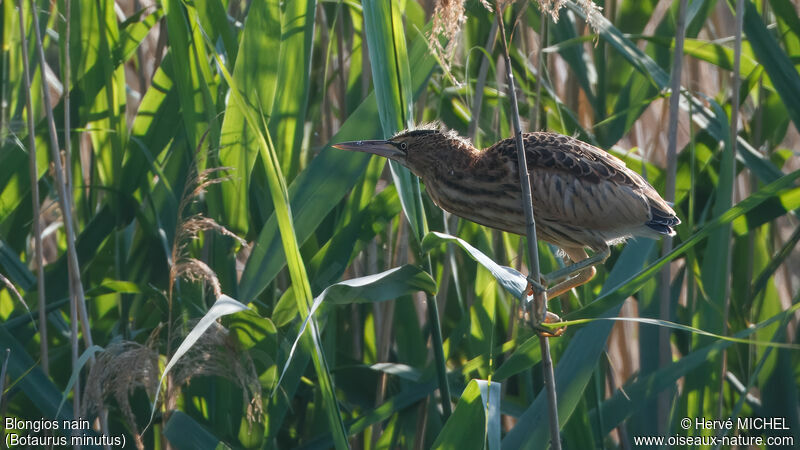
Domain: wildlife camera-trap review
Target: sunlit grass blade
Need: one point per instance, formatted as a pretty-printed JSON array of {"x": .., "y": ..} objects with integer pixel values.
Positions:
[
  {"x": 332, "y": 259},
  {"x": 390, "y": 73},
  {"x": 151, "y": 132},
  {"x": 317, "y": 189},
  {"x": 192, "y": 74},
  {"x": 379, "y": 287},
  {"x": 510, "y": 279},
  {"x": 297, "y": 271},
  {"x": 215, "y": 21},
  {"x": 294, "y": 72},
  {"x": 14, "y": 178},
  {"x": 254, "y": 73},
  {"x": 680, "y": 327},
  {"x": 222, "y": 307},
  {"x": 575, "y": 366},
  {"x": 711, "y": 315},
  {"x": 623, "y": 403},
  {"x": 88, "y": 353},
  {"x": 780, "y": 68},
  {"x": 97, "y": 22},
  {"x": 475, "y": 420}
]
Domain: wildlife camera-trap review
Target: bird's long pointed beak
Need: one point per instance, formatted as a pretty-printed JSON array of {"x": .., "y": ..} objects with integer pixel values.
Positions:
[{"x": 381, "y": 148}]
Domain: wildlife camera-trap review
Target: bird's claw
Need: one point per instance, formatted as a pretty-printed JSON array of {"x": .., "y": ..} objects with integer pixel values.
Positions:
[
  {"x": 550, "y": 317},
  {"x": 548, "y": 332}
]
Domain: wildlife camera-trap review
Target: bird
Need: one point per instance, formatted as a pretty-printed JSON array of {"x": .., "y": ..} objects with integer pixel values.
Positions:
[{"x": 583, "y": 197}]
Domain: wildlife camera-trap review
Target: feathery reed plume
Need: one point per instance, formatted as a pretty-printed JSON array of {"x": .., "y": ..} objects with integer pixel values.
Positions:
[
  {"x": 448, "y": 15},
  {"x": 216, "y": 353},
  {"x": 182, "y": 265},
  {"x": 590, "y": 9},
  {"x": 118, "y": 371},
  {"x": 125, "y": 366},
  {"x": 551, "y": 7}
]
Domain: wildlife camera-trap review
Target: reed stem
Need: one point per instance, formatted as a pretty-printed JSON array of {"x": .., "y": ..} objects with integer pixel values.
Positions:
[{"x": 540, "y": 298}]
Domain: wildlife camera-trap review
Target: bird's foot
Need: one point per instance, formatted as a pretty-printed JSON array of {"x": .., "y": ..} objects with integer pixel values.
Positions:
[
  {"x": 550, "y": 317},
  {"x": 549, "y": 332}
]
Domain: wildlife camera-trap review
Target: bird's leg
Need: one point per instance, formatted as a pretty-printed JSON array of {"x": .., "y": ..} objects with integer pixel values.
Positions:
[
  {"x": 535, "y": 286},
  {"x": 538, "y": 291},
  {"x": 583, "y": 269}
]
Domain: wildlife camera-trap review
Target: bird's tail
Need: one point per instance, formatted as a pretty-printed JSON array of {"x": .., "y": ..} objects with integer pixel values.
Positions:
[{"x": 662, "y": 220}]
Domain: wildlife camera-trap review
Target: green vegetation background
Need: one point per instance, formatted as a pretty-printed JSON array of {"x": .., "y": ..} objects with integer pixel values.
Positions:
[{"x": 202, "y": 180}]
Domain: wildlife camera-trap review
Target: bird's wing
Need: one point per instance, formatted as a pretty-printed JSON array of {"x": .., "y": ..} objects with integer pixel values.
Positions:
[
  {"x": 587, "y": 205},
  {"x": 583, "y": 186},
  {"x": 577, "y": 158}
]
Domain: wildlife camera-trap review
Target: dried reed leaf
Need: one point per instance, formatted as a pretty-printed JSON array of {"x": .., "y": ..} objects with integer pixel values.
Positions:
[{"x": 14, "y": 291}]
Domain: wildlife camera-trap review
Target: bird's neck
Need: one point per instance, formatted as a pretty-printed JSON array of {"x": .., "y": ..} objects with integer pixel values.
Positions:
[
  {"x": 442, "y": 156},
  {"x": 471, "y": 183}
]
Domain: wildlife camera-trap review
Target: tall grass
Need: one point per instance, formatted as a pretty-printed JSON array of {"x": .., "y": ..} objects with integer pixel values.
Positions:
[{"x": 315, "y": 301}]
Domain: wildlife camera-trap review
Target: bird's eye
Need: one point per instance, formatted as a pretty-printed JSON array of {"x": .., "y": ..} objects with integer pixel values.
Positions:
[{"x": 403, "y": 146}]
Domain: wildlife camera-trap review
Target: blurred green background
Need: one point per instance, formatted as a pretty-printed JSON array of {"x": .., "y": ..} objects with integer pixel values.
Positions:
[{"x": 196, "y": 141}]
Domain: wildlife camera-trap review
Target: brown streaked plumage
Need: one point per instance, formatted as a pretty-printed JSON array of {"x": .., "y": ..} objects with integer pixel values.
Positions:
[{"x": 582, "y": 195}]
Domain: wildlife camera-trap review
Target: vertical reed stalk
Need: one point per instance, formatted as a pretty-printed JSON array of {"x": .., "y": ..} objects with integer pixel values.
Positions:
[
  {"x": 736, "y": 82},
  {"x": 540, "y": 298},
  {"x": 73, "y": 310},
  {"x": 63, "y": 196},
  {"x": 436, "y": 332},
  {"x": 67, "y": 77},
  {"x": 387, "y": 50},
  {"x": 384, "y": 315},
  {"x": 78, "y": 302},
  {"x": 34, "y": 176},
  {"x": 539, "y": 120},
  {"x": 340, "y": 62},
  {"x": 664, "y": 350},
  {"x": 477, "y": 102},
  {"x": 326, "y": 42},
  {"x": 4, "y": 369}
]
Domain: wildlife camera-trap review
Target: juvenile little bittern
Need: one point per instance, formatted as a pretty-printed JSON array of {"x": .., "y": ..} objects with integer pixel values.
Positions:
[{"x": 582, "y": 195}]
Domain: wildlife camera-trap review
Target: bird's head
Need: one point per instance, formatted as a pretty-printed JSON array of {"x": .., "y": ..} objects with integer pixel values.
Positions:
[{"x": 417, "y": 150}]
